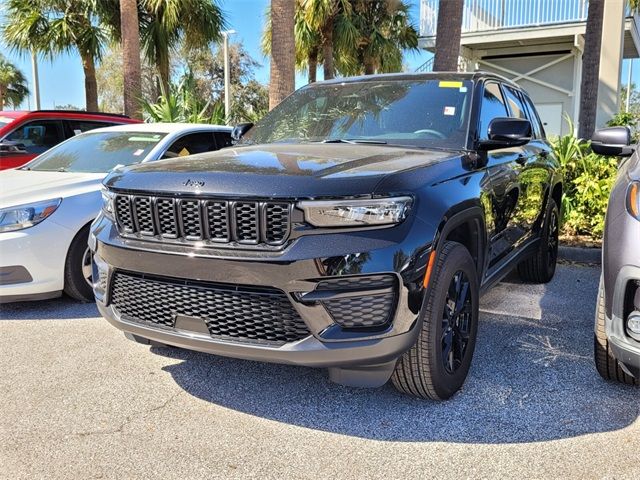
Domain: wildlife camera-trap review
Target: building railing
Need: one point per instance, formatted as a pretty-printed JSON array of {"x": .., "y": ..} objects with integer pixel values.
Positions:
[{"x": 488, "y": 15}]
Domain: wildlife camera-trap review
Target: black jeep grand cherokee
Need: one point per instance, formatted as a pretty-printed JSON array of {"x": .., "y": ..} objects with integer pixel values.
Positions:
[{"x": 353, "y": 228}]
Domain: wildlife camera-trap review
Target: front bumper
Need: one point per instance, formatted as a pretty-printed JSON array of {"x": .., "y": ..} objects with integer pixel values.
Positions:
[
  {"x": 625, "y": 349},
  {"x": 398, "y": 252},
  {"x": 32, "y": 262}
]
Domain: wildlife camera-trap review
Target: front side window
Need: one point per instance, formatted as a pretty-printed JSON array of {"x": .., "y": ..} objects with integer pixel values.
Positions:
[
  {"x": 80, "y": 126},
  {"x": 38, "y": 136},
  {"x": 515, "y": 104},
  {"x": 97, "y": 152},
  {"x": 534, "y": 118},
  {"x": 189, "y": 144},
  {"x": 422, "y": 113},
  {"x": 493, "y": 106}
]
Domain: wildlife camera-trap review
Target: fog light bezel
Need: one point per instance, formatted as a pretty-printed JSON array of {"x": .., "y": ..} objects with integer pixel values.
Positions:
[{"x": 633, "y": 332}]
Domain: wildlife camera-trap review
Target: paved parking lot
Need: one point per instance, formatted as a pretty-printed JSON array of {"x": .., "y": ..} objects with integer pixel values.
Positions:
[{"x": 79, "y": 401}]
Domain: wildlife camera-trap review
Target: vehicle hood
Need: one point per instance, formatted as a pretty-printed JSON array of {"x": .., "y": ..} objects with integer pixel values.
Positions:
[
  {"x": 18, "y": 187},
  {"x": 285, "y": 170}
]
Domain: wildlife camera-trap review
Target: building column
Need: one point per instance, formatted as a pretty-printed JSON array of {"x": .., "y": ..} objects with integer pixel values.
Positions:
[{"x": 610, "y": 60}]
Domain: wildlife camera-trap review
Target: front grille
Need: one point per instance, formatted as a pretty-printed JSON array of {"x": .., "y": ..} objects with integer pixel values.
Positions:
[
  {"x": 230, "y": 312},
  {"x": 203, "y": 220}
]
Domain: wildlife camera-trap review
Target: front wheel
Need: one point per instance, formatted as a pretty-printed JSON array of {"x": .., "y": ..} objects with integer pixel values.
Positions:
[
  {"x": 437, "y": 365},
  {"x": 77, "y": 268}
]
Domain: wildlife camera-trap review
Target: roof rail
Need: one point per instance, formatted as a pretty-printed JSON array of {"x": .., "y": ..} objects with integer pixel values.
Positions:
[{"x": 119, "y": 115}]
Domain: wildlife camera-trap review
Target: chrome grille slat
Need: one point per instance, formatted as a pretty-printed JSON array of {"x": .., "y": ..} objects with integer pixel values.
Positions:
[{"x": 213, "y": 221}]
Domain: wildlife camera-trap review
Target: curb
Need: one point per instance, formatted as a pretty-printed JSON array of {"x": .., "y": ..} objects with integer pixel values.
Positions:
[{"x": 580, "y": 254}]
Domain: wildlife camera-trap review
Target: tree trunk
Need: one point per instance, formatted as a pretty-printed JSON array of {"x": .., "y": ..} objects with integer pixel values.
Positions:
[
  {"x": 131, "y": 58},
  {"x": 162, "y": 65},
  {"x": 90, "y": 83},
  {"x": 448, "y": 35},
  {"x": 327, "y": 50},
  {"x": 313, "y": 64},
  {"x": 590, "y": 69},
  {"x": 1, "y": 99},
  {"x": 369, "y": 66},
  {"x": 282, "y": 68}
]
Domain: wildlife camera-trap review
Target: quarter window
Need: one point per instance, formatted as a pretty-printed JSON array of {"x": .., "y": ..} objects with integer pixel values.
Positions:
[{"x": 493, "y": 106}]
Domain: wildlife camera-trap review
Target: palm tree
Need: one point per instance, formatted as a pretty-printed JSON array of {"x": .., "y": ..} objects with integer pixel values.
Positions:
[
  {"x": 383, "y": 30},
  {"x": 331, "y": 20},
  {"x": 13, "y": 84},
  {"x": 282, "y": 69},
  {"x": 307, "y": 41},
  {"x": 51, "y": 27},
  {"x": 448, "y": 35},
  {"x": 129, "y": 28},
  {"x": 164, "y": 23},
  {"x": 590, "y": 69}
]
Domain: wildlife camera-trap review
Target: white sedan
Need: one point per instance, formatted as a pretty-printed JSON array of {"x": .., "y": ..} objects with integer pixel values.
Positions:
[{"x": 47, "y": 206}]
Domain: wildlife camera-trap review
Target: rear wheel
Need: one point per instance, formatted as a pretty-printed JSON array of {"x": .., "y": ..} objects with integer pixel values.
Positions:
[
  {"x": 437, "y": 365},
  {"x": 606, "y": 363},
  {"x": 77, "y": 269},
  {"x": 541, "y": 267}
]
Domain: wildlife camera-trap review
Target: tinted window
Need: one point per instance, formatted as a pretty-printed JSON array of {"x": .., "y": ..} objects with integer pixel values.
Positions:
[
  {"x": 515, "y": 104},
  {"x": 408, "y": 112},
  {"x": 492, "y": 107},
  {"x": 533, "y": 117},
  {"x": 80, "y": 126},
  {"x": 190, "y": 144},
  {"x": 97, "y": 152},
  {"x": 223, "y": 139},
  {"x": 38, "y": 136}
]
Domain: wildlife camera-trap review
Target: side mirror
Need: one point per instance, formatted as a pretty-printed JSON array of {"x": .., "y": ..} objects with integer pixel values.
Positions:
[
  {"x": 507, "y": 132},
  {"x": 612, "y": 141},
  {"x": 239, "y": 130}
]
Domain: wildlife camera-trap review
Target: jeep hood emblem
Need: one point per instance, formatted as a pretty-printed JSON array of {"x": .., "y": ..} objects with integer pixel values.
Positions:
[{"x": 193, "y": 183}]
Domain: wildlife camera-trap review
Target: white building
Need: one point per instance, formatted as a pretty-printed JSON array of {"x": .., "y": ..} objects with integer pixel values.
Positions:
[{"x": 539, "y": 44}]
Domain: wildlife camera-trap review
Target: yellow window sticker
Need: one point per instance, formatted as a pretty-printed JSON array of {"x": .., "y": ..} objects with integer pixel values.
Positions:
[
  {"x": 183, "y": 153},
  {"x": 449, "y": 84}
]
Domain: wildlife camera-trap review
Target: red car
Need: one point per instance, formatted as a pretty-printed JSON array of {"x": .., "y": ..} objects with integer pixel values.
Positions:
[{"x": 25, "y": 135}]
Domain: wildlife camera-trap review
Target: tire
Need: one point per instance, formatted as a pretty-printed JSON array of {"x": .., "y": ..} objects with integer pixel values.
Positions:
[
  {"x": 541, "y": 267},
  {"x": 76, "y": 284},
  {"x": 423, "y": 371},
  {"x": 606, "y": 363}
]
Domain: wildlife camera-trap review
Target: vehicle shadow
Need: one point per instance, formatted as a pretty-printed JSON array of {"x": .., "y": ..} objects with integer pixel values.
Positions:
[
  {"x": 532, "y": 380},
  {"x": 62, "y": 308}
]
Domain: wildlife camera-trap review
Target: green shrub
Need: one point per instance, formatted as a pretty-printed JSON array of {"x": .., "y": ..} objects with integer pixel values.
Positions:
[{"x": 588, "y": 179}]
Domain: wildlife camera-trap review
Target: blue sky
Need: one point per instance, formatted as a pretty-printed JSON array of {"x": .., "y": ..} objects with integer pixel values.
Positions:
[{"x": 62, "y": 81}]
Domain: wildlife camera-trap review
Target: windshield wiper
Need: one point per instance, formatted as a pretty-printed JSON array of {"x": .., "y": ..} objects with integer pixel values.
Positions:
[{"x": 354, "y": 141}]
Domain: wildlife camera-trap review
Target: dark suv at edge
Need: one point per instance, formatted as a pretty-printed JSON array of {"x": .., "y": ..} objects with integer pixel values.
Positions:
[{"x": 353, "y": 228}]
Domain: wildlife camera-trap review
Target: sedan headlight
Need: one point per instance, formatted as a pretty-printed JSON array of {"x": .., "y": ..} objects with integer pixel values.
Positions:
[
  {"x": 28, "y": 215},
  {"x": 345, "y": 213},
  {"x": 108, "y": 198},
  {"x": 633, "y": 200}
]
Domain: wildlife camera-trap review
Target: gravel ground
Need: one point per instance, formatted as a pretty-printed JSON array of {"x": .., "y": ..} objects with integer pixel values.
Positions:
[{"x": 79, "y": 401}]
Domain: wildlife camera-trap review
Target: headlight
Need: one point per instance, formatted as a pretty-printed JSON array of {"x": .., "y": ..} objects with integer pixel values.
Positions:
[
  {"x": 107, "y": 202},
  {"x": 344, "y": 213},
  {"x": 25, "y": 216},
  {"x": 633, "y": 200}
]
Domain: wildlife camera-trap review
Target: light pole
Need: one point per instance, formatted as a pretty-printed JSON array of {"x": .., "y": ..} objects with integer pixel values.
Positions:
[
  {"x": 227, "y": 68},
  {"x": 36, "y": 80}
]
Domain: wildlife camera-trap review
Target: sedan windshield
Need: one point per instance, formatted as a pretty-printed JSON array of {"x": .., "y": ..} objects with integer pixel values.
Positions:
[
  {"x": 96, "y": 152},
  {"x": 421, "y": 113}
]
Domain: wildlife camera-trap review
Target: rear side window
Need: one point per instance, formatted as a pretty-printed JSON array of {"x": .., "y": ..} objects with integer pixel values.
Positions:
[
  {"x": 533, "y": 117},
  {"x": 38, "y": 136},
  {"x": 515, "y": 104},
  {"x": 77, "y": 127},
  {"x": 493, "y": 106}
]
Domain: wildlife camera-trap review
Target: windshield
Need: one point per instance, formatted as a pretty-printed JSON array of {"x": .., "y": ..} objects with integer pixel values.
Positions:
[
  {"x": 422, "y": 113},
  {"x": 97, "y": 152}
]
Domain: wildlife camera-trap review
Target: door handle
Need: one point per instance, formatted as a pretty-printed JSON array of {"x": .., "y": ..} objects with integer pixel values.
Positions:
[{"x": 522, "y": 159}]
